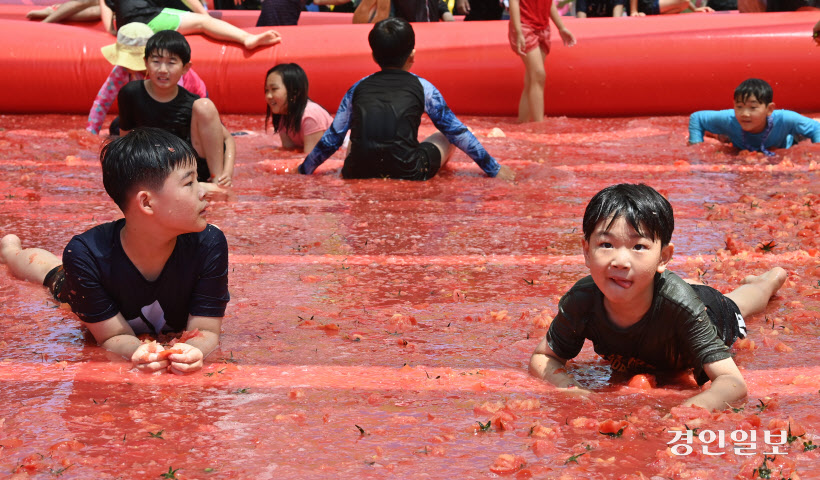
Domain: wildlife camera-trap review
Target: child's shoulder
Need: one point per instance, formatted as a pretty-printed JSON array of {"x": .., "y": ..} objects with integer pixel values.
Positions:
[
  {"x": 677, "y": 293},
  {"x": 96, "y": 242},
  {"x": 581, "y": 296}
]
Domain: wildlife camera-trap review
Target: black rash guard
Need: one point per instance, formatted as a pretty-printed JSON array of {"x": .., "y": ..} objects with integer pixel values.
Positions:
[{"x": 675, "y": 334}]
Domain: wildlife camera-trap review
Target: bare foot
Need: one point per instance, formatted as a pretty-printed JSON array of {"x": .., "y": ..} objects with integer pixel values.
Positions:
[
  {"x": 39, "y": 14},
  {"x": 271, "y": 37},
  {"x": 10, "y": 245},
  {"x": 771, "y": 280},
  {"x": 214, "y": 192}
]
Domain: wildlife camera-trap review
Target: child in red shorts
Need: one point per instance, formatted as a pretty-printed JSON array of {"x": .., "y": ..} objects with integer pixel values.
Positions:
[{"x": 530, "y": 28}]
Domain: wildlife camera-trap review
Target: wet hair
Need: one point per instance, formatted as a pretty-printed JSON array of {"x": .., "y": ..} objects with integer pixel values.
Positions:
[
  {"x": 169, "y": 41},
  {"x": 295, "y": 81},
  {"x": 646, "y": 210},
  {"x": 392, "y": 41},
  {"x": 754, "y": 87},
  {"x": 143, "y": 159}
]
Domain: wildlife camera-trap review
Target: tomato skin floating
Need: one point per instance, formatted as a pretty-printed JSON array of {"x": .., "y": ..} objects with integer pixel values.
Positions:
[{"x": 507, "y": 463}]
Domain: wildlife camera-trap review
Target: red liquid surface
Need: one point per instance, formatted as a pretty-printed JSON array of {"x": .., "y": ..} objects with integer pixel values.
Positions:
[{"x": 373, "y": 324}]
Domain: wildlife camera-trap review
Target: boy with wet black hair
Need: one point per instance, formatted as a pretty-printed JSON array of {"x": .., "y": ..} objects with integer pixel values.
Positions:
[
  {"x": 161, "y": 269},
  {"x": 754, "y": 124},
  {"x": 159, "y": 101},
  {"x": 383, "y": 112},
  {"x": 639, "y": 315}
]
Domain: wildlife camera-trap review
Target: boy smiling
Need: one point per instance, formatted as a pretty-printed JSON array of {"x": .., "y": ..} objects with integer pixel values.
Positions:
[
  {"x": 639, "y": 315},
  {"x": 160, "y": 102},
  {"x": 754, "y": 124},
  {"x": 161, "y": 269}
]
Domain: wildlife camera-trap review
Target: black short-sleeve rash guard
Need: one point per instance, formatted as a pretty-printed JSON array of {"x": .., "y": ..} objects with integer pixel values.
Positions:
[
  {"x": 139, "y": 109},
  {"x": 101, "y": 281},
  {"x": 676, "y": 333}
]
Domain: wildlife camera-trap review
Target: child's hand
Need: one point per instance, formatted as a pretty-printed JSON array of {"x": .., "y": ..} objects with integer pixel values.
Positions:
[
  {"x": 567, "y": 37},
  {"x": 705, "y": 9},
  {"x": 147, "y": 358},
  {"x": 506, "y": 173},
  {"x": 224, "y": 180},
  {"x": 190, "y": 360},
  {"x": 637, "y": 14},
  {"x": 520, "y": 44}
]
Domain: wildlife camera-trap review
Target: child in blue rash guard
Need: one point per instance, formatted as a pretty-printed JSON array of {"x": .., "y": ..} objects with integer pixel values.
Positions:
[
  {"x": 754, "y": 124},
  {"x": 383, "y": 112}
]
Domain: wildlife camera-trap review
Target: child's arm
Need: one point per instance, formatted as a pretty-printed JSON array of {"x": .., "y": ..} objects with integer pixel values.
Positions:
[
  {"x": 287, "y": 142},
  {"x": 107, "y": 17},
  {"x": 118, "y": 77},
  {"x": 801, "y": 125},
  {"x": 228, "y": 160},
  {"x": 633, "y": 9},
  {"x": 716, "y": 122},
  {"x": 546, "y": 365},
  {"x": 727, "y": 386},
  {"x": 456, "y": 132},
  {"x": 332, "y": 138},
  {"x": 515, "y": 20},
  {"x": 197, "y": 348},
  {"x": 566, "y": 36},
  {"x": 116, "y": 336},
  {"x": 311, "y": 139}
]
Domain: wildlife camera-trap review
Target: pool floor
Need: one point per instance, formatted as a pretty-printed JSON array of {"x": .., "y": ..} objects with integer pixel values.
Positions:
[{"x": 377, "y": 327}]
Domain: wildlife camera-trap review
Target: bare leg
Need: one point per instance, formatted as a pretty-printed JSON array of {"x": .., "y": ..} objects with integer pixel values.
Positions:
[
  {"x": 673, "y": 6},
  {"x": 206, "y": 135},
  {"x": 444, "y": 146},
  {"x": 531, "y": 105},
  {"x": 31, "y": 264},
  {"x": 221, "y": 30},
  {"x": 753, "y": 296}
]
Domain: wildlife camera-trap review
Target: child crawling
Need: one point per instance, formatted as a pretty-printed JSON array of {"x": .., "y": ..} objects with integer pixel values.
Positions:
[
  {"x": 639, "y": 315},
  {"x": 754, "y": 124},
  {"x": 161, "y": 269}
]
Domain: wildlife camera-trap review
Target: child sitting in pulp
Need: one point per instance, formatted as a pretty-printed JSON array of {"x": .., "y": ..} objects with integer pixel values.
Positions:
[
  {"x": 754, "y": 124},
  {"x": 384, "y": 111},
  {"x": 161, "y": 269},
  {"x": 160, "y": 102},
  {"x": 641, "y": 316},
  {"x": 127, "y": 56},
  {"x": 299, "y": 121}
]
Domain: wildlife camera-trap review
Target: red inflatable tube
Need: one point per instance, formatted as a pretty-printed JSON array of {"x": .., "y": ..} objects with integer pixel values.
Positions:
[
  {"x": 625, "y": 66},
  {"x": 240, "y": 18}
]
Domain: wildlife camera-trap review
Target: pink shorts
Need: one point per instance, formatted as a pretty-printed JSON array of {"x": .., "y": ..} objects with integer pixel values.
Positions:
[{"x": 532, "y": 37}]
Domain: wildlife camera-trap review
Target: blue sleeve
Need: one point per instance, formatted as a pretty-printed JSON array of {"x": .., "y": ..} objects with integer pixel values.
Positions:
[
  {"x": 456, "y": 132},
  {"x": 801, "y": 125},
  {"x": 333, "y": 137},
  {"x": 717, "y": 122}
]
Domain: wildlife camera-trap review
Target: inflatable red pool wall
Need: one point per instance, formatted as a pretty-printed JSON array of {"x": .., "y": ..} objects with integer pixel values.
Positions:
[{"x": 621, "y": 66}]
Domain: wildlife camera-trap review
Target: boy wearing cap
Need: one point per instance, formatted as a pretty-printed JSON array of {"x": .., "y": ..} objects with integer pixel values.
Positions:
[
  {"x": 129, "y": 65},
  {"x": 160, "y": 102}
]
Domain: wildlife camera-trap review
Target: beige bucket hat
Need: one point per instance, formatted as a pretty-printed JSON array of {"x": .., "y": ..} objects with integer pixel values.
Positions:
[{"x": 129, "y": 50}]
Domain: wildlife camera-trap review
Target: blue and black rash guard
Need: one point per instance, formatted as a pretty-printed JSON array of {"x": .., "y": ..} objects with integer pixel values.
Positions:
[{"x": 383, "y": 112}]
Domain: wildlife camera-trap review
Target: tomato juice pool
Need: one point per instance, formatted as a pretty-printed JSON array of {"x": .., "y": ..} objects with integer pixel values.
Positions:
[{"x": 382, "y": 329}]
